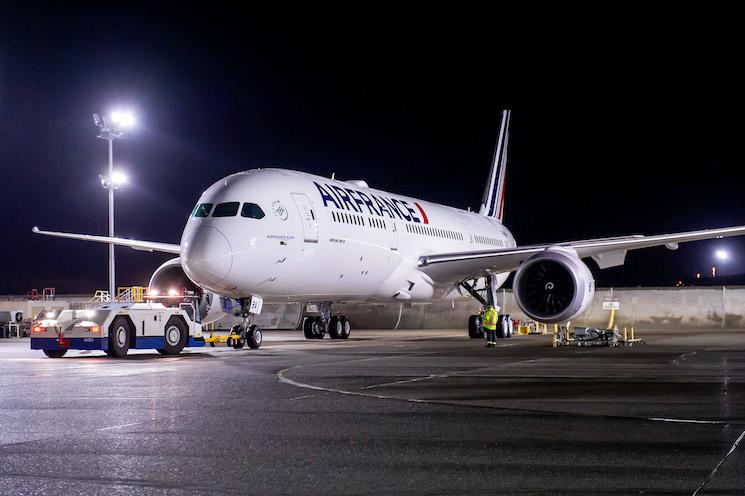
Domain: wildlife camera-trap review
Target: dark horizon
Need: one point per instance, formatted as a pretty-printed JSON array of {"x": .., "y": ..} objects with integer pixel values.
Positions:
[{"x": 615, "y": 130}]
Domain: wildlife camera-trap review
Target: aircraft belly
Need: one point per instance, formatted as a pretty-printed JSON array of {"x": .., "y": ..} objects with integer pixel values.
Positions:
[{"x": 314, "y": 271}]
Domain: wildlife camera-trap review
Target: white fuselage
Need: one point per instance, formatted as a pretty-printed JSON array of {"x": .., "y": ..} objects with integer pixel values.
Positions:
[{"x": 299, "y": 237}]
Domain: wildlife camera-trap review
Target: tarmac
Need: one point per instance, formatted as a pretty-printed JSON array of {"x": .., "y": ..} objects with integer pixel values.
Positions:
[{"x": 385, "y": 412}]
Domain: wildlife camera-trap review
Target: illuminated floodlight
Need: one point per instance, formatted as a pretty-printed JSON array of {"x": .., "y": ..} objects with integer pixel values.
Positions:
[
  {"x": 722, "y": 255},
  {"x": 172, "y": 292},
  {"x": 123, "y": 118},
  {"x": 153, "y": 292},
  {"x": 113, "y": 181},
  {"x": 118, "y": 178}
]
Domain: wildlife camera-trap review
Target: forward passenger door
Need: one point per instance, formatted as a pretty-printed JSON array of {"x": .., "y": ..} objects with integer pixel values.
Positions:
[{"x": 307, "y": 216}]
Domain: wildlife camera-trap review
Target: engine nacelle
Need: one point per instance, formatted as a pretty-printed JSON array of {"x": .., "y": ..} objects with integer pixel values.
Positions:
[
  {"x": 553, "y": 286},
  {"x": 171, "y": 276}
]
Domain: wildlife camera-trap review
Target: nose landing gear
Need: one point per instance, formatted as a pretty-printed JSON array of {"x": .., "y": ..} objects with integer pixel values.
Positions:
[
  {"x": 316, "y": 327},
  {"x": 246, "y": 333}
]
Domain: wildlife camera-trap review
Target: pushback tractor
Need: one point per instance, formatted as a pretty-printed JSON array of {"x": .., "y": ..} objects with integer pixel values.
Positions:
[{"x": 118, "y": 327}]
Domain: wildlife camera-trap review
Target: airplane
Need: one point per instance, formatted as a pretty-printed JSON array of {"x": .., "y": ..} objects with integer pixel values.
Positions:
[{"x": 290, "y": 236}]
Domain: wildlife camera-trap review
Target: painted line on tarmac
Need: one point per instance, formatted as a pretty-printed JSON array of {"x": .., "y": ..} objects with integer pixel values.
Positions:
[
  {"x": 282, "y": 376},
  {"x": 303, "y": 397},
  {"x": 118, "y": 426},
  {"x": 405, "y": 381},
  {"x": 451, "y": 373},
  {"x": 286, "y": 380},
  {"x": 713, "y": 472},
  {"x": 687, "y": 421}
]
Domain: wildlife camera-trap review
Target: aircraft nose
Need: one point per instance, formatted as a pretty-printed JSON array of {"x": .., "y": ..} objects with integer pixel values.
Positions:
[{"x": 207, "y": 256}]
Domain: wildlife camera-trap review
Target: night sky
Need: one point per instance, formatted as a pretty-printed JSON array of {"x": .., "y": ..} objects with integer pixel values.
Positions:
[{"x": 634, "y": 127}]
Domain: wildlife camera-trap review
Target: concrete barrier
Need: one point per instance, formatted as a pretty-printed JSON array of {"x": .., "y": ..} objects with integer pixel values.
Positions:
[{"x": 674, "y": 307}]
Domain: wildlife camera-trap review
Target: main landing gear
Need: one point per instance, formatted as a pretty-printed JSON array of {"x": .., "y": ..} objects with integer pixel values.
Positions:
[
  {"x": 486, "y": 296},
  {"x": 245, "y": 333},
  {"x": 316, "y": 326}
]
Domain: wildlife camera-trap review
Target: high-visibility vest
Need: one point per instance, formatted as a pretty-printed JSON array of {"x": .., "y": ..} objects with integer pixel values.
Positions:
[{"x": 490, "y": 319}]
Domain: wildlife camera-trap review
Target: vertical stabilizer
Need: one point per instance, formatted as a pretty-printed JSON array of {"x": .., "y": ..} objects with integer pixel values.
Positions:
[{"x": 492, "y": 205}]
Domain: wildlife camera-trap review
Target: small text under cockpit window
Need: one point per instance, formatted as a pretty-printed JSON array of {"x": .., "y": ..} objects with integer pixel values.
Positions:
[
  {"x": 202, "y": 210},
  {"x": 229, "y": 209},
  {"x": 252, "y": 211}
]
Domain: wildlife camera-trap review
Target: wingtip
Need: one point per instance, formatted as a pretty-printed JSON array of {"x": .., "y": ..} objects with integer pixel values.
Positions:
[{"x": 35, "y": 229}]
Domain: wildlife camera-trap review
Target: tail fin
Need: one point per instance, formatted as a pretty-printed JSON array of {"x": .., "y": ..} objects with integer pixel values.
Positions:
[{"x": 492, "y": 205}]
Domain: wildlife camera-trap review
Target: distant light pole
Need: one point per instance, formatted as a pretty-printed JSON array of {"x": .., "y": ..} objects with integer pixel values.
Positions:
[
  {"x": 722, "y": 256},
  {"x": 110, "y": 129}
]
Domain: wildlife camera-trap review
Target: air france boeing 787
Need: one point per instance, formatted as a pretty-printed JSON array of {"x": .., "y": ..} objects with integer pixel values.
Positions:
[{"x": 289, "y": 236}]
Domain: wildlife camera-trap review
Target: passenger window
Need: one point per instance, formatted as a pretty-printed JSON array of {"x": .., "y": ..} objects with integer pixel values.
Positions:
[
  {"x": 229, "y": 209},
  {"x": 202, "y": 210},
  {"x": 252, "y": 211}
]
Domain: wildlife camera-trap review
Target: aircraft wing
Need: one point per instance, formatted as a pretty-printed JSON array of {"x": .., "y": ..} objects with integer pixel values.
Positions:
[
  {"x": 132, "y": 243},
  {"x": 607, "y": 252}
]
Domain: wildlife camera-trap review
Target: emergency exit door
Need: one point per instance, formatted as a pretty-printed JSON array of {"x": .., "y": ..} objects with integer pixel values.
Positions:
[{"x": 308, "y": 217}]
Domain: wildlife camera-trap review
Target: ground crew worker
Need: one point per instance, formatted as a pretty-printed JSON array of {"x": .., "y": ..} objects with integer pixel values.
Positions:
[{"x": 489, "y": 323}]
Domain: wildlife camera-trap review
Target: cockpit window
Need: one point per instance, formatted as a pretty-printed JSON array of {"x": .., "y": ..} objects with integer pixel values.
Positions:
[
  {"x": 229, "y": 209},
  {"x": 202, "y": 210},
  {"x": 252, "y": 211}
]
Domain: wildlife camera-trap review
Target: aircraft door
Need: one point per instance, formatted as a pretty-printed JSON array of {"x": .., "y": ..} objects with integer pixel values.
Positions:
[
  {"x": 469, "y": 235},
  {"x": 308, "y": 217}
]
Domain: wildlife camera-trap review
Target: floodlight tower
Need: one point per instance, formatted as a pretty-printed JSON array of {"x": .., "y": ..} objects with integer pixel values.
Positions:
[{"x": 112, "y": 128}]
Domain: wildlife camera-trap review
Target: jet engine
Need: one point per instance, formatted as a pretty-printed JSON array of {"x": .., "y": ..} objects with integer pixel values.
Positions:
[
  {"x": 171, "y": 277},
  {"x": 553, "y": 286}
]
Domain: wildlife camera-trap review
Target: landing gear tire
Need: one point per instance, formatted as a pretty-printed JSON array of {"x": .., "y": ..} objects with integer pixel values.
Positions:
[
  {"x": 119, "y": 333},
  {"x": 176, "y": 336},
  {"x": 313, "y": 328},
  {"x": 504, "y": 326},
  {"x": 308, "y": 327},
  {"x": 317, "y": 328},
  {"x": 254, "y": 337},
  {"x": 336, "y": 328},
  {"x": 55, "y": 353},
  {"x": 474, "y": 327},
  {"x": 346, "y": 328},
  {"x": 235, "y": 341}
]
